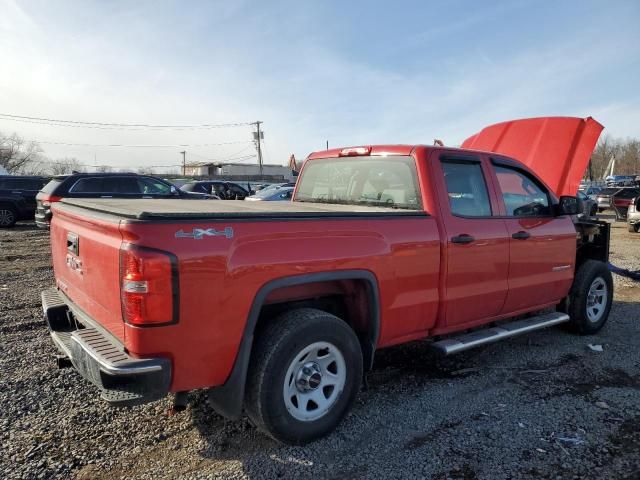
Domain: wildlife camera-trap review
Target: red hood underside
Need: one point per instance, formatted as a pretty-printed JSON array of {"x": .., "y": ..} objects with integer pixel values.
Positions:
[{"x": 555, "y": 148}]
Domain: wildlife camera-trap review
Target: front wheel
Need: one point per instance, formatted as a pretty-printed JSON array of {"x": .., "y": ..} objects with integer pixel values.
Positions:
[
  {"x": 590, "y": 298},
  {"x": 304, "y": 375}
]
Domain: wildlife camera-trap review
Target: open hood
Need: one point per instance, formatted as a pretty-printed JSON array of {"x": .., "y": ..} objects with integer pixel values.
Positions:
[{"x": 556, "y": 148}]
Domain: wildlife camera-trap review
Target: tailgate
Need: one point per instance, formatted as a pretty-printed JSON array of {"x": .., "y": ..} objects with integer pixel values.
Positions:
[{"x": 86, "y": 262}]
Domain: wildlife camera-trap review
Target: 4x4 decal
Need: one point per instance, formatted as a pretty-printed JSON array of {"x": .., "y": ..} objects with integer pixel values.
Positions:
[{"x": 200, "y": 233}]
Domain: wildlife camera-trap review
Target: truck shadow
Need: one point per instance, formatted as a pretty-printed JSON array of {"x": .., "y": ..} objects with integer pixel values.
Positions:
[{"x": 541, "y": 366}]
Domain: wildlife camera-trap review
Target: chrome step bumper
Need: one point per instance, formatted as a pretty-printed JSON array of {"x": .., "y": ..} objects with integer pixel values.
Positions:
[
  {"x": 483, "y": 336},
  {"x": 122, "y": 379}
]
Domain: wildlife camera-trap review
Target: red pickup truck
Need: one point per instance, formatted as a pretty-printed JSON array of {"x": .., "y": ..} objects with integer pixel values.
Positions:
[{"x": 278, "y": 310}]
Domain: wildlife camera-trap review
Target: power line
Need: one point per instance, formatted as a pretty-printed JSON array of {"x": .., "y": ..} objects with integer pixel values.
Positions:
[
  {"x": 230, "y": 157},
  {"x": 76, "y": 123},
  {"x": 178, "y": 145}
]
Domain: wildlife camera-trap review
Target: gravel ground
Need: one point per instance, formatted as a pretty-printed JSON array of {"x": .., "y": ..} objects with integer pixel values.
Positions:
[{"x": 539, "y": 406}]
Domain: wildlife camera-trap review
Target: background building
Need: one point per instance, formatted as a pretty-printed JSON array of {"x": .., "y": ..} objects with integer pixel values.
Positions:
[{"x": 238, "y": 171}]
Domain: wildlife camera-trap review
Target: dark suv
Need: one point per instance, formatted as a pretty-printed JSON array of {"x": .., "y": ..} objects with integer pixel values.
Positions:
[
  {"x": 220, "y": 188},
  {"x": 18, "y": 198},
  {"x": 105, "y": 185}
]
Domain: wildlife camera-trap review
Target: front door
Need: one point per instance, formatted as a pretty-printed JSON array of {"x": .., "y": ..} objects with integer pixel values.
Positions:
[
  {"x": 542, "y": 247},
  {"x": 477, "y": 245}
]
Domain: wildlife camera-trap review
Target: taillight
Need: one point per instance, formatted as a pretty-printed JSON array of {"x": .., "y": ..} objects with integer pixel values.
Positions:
[
  {"x": 148, "y": 286},
  {"x": 49, "y": 199}
]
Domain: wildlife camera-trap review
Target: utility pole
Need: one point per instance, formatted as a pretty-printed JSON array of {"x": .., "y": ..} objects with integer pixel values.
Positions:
[
  {"x": 184, "y": 163},
  {"x": 258, "y": 136},
  {"x": 327, "y": 144}
]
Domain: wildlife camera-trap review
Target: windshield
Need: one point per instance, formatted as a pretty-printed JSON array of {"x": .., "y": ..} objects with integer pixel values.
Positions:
[
  {"x": 268, "y": 191},
  {"x": 378, "y": 181}
]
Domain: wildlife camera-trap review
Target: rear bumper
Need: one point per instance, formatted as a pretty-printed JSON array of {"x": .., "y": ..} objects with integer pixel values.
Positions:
[
  {"x": 122, "y": 380},
  {"x": 42, "y": 219}
]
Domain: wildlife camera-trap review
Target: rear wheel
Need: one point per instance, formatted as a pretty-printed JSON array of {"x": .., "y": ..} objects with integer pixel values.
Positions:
[
  {"x": 634, "y": 228},
  {"x": 304, "y": 375},
  {"x": 590, "y": 298},
  {"x": 8, "y": 216}
]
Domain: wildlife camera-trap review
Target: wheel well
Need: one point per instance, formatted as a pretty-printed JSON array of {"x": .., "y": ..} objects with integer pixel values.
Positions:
[
  {"x": 592, "y": 241},
  {"x": 352, "y": 293},
  {"x": 350, "y": 300}
]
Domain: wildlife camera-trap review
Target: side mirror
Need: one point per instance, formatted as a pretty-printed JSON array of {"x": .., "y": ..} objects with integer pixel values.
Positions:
[
  {"x": 568, "y": 205},
  {"x": 174, "y": 190}
]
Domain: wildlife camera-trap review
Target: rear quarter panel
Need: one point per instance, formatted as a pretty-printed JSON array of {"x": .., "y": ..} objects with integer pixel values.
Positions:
[{"x": 220, "y": 277}]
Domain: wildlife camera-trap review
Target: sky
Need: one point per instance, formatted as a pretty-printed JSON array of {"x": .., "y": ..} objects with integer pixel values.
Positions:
[{"x": 350, "y": 73}]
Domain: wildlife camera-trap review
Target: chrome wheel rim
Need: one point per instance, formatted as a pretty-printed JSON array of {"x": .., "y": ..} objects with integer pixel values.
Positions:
[
  {"x": 314, "y": 381},
  {"x": 6, "y": 217},
  {"x": 596, "y": 299}
]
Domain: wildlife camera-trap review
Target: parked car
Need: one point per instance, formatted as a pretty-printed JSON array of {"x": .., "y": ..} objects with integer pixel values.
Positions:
[
  {"x": 633, "y": 216},
  {"x": 18, "y": 198},
  {"x": 104, "y": 185},
  {"x": 278, "y": 311},
  {"x": 272, "y": 194},
  {"x": 222, "y": 189},
  {"x": 604, "y": 198},
  {"x": 591, "y": 192},
  {"x": 622, "y": 200},
  {"x": 586, "y": 206}
]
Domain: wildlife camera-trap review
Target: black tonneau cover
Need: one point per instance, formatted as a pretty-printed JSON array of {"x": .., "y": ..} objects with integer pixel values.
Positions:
[{"x": 169, "y": 209}]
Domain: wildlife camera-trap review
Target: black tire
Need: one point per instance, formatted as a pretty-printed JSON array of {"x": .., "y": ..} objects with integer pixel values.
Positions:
[
  {"x": 277, "y": 347},
  {"x": 633, "y": 228},
  {"x": 594, "y": 211},
  {"x": 581, "y": 321},
  {"x": 600, "y": 210},
  {"x": 8, "y": 216}
]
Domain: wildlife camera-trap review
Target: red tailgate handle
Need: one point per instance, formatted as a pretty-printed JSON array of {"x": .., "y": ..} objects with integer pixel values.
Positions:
[
  {"x": 463, "y": 238},
  {"x": 521, "y": 235}
]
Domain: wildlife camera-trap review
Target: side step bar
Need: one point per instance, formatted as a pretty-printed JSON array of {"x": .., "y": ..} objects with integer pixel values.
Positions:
[{"x": 466, "y": 341}]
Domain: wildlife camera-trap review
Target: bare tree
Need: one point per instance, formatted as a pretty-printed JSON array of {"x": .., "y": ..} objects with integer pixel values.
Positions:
[
  {"x": 146, "y": 171},
  {"x": 104, "y": 169},
  {"x": 65, "y": 165},
  {"x": 626, "y": 152},
  {"x": 17, "y": 154}
]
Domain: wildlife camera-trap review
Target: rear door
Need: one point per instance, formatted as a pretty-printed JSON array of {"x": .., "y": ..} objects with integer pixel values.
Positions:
[
  {"x": 542, "y": 247},
  {"x": 477, "y": 244}
]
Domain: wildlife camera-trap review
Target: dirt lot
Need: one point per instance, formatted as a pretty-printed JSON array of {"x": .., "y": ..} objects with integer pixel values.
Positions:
[{"x": 540, "y": 406}]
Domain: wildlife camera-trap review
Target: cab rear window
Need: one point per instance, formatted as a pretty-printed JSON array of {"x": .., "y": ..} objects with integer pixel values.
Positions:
[{"x": 376, "y": 181}]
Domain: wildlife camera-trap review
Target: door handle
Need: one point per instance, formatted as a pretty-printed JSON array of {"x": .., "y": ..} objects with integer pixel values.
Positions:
[
  {"x": 521, "y": 235},
  {"x": 463, "y": 238}
]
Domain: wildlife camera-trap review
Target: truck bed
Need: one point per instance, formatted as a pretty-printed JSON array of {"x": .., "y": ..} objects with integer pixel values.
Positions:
[{"x": 169, "y": 209}]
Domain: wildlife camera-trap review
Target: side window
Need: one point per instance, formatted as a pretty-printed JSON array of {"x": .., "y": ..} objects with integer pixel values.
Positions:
[
  {"x": 467, "y": 189},
  {"x": 127, "y": 185},
  {"x": 87, "y": 185},
  {"x": 523, "y": 195},
  {"x": 152, "y": 186}
]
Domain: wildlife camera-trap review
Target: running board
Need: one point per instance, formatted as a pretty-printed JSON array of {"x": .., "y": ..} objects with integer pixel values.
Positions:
[{"x": 466, "y": 341}]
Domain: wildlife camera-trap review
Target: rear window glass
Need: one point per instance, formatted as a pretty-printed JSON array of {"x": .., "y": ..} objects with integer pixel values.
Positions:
[
  {"x": 52, "y": 185},
  {"x": 377, "y": 181}
]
